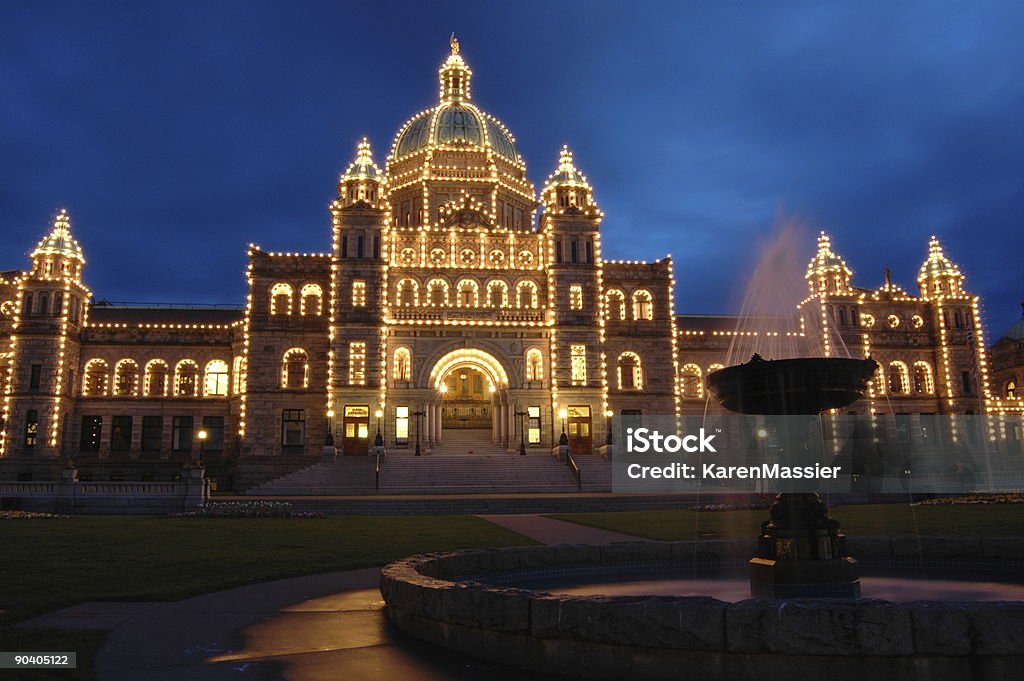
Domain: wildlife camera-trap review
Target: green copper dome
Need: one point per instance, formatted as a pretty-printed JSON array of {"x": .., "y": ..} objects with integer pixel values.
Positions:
[{"x": 451, "y": 124}]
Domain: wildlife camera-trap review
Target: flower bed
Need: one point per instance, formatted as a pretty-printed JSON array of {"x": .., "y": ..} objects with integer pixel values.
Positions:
[
  {"x": 1004, "y": 498},
  {"x": 28, "y": 515},
  {"x": 247, "y": 509}
]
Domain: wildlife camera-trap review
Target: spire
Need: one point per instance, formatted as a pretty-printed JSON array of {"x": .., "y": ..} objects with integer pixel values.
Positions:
[
  {"x": 362, "y": 179},
  {"x": 59, "y": 241},
  {"x": 827, "y": 272},
  {"x": 938, "y": 274},
  {"x": 455, "y": 75},
  {"x": 567, "y": 189}
]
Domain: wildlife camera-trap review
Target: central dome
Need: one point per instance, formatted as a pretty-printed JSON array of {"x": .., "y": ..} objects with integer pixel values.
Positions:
[
  {"x": 454, "y": 158},
  {"x": 452, "y": 124}
]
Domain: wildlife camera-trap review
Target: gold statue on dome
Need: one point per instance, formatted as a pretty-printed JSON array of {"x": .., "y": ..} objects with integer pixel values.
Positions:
[{"x": 454, "y": 42}]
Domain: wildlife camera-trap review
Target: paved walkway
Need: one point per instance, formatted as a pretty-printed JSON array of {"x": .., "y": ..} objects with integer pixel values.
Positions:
[
  {"x": 551, "y": 531},
  {"x": 316, "y": 628}
]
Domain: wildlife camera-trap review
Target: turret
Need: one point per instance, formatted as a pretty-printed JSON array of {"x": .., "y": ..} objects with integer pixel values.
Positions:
[
  {"x": 827, "y": 273},
  {"x": 939, "y": 277}
]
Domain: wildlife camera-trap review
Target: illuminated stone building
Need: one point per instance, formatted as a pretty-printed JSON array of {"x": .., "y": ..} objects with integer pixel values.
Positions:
[
  {"x": 443, "y": 303},
  {"x": 453, "y": 297}
]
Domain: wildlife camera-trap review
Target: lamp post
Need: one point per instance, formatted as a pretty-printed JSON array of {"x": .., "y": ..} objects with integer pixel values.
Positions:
[
  {"x": 563, "y": 439},
  {"x": 201, "y": 435},
  {"x": 522, "y": 432},
  {"x": 608, "y": 423},
  {"x": 418, "y": 414},
  {"x": 329, "y": 440},
  {"x": 379, "y": 440}
]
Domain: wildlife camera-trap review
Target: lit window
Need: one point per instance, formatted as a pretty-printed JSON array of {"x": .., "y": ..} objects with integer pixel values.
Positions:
[
  {"x": 1011, "y": 389},
  {"x": 95, "y": 381},
  {"x": 438, "y": 291},
  {"x": 358, "y": 293},
  {"x": 578, "y": 357},
  {"x": 643, "y": 308},
  {"x": 616, "y": 301},
  {"x": 526, "y": 294},
  {"x": 402, "y": 425},
  {"x": 534, "y": 365},
  {"x": 575, "y": 297},
  {"x": 468, "y": 293},
  {"x": 533, "y": 425},
  {"x": 357, "y": 363},
  {"x": 186, "y": 375},
  {"x": 238, "y": 381},
  {"x": 293, "y": 427},
  {"x": 408, "y": 293},
  {"x": 126, "y": 378},
  {"x": 898, "y": 379},
  {"x": 403, "y": 365},
  {"x": 311, "y": 297},
  {"x": 215, "y": 379},
  {"x": 690, "y": 377},
  {"x": 155, "y": 382},
  {"x": 295, "y": 369},
  {"x": 923, "y": 378},
  {"x": 497, "y": 294},
  {"x": 630, "y": 372},
  {"x": 281, "y": 299}
]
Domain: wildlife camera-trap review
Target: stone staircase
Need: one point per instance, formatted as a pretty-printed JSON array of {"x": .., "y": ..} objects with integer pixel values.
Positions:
[{"x": 466, "y": 462}]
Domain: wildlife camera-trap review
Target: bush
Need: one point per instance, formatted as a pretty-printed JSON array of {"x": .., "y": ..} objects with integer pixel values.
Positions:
[{"x": 247, "y": 509}]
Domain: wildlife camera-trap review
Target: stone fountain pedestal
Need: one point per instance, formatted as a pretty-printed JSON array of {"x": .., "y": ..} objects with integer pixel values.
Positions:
[{"x": 801, "y": 553}]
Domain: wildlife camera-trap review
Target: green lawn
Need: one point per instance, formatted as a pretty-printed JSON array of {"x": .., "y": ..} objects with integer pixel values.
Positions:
[
  {"x": 893, "y": 520},
  {"x": 49, "y": 564}
]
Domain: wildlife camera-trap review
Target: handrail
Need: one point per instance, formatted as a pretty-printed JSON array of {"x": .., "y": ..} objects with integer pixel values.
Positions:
[
  {"x": 376, "y": 480},
  {"x": 571, "y": 463}
]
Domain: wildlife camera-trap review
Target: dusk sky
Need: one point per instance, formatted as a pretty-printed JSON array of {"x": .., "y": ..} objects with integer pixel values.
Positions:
[{"x": 176, "y": 133}]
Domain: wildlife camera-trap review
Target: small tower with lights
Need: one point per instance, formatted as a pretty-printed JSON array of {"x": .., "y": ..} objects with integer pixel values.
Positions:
[
  {"x": 571, "y": 223},
  {"x": 358, "y": 300},
  {"x": 44, "y": 352}
]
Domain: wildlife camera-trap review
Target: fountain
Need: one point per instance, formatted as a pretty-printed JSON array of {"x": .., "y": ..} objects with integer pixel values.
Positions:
[{"x": 801, "y": 552}]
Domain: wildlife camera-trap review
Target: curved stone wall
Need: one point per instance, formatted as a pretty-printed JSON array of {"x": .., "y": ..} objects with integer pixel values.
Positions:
[{"x": 434, "y": 597}]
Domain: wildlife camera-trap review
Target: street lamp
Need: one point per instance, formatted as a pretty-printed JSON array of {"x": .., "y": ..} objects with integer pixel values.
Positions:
[
  {"x": 379, "y": 440},
  {"x": 522, "y": 432},
  {"x": 329, "y": 440},
  {"x": 202, "y": 445},
  {"x": 608, "y": 436},
  {"x": 419, "y": 427},
  {"x": 563, "y": 439}
]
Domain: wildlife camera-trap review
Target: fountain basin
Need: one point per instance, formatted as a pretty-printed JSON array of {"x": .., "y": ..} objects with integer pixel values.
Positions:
[{"x": 442, "y": 599}]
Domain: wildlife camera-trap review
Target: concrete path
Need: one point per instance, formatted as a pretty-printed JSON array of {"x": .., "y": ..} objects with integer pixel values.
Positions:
[{"x": 551, "y": 531}]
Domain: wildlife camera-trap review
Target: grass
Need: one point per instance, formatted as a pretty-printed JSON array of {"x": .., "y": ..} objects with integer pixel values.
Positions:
[
  {"x": 894, "y": 520},
  {"x": 49, "y": 564}
]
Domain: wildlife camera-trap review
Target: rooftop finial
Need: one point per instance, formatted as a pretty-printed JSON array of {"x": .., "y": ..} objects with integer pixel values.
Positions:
[{"x": 454, "y": 42}]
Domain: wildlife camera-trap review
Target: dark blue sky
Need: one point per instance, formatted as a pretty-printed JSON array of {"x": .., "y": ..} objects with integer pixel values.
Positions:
[{"x": 178, "y": 132}]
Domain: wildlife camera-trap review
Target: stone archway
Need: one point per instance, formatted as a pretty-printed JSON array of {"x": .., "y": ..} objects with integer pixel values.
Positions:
[{"x": 471, "y": 387}]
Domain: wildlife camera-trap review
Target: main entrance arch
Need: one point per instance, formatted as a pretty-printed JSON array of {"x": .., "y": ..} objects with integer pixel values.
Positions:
[{"x": 467, "y": 381}]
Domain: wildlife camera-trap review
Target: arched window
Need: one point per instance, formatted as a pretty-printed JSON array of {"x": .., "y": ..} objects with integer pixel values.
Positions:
[
  {"x": 311, "y": 297},
  {"x": 408, "y": 293},
  {"x": 534, "y": 365},
  {"x": 715, "y": 367},
  {"x": 186, "y": 378},
  {"x": 281, "y": 298},
  {"x": 437, "y": 290},
  {"x": 95, "y": 377},
  {"x": 155, "y": 382},
  {"x": 691, "y": 381},
  {"x": 1011, "y": 389},
  {"x": 497, "y": 294},
  {"x": 923, "y": 382},
  {"x": 899, "y": 379},
  {"x": 403, "y": 365},
  {"x": 215, "y": 378},
  {"x": 526, "y": 294},
  {"x": 126, "y": 378},
  {"x": 630, "y": 372},
  {"x": 295, "y": 369},
  {"x": 643, "y": 305},
  {"x": 468, "y": 292},
  {"x": 616, "y": 301}
]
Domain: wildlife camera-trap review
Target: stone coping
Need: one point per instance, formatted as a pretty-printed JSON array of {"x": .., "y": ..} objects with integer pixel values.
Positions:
[{"x": 430, "y": 597}]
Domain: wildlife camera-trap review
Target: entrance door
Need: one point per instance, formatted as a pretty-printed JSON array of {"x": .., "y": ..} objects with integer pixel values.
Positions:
[
  {"x": 581, "y": 439},
  {"x": 467, "y": 400},
  {"x": 356, "y": 428}
]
